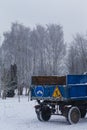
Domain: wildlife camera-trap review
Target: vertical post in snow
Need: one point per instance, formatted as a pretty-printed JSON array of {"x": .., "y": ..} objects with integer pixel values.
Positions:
[
  {"x": 28, "y": 94},
  {"x": 19, "y": 97},
  {"x": 18, "y": 94}
]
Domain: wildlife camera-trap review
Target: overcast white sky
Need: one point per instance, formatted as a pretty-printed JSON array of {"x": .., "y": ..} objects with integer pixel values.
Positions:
[{"x": 71, "y": 14}]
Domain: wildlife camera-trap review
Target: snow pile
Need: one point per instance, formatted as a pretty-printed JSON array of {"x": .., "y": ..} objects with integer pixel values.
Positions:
[{"x": 16, "y": 115}]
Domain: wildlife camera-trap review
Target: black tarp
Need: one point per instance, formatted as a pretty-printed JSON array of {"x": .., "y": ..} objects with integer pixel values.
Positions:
[{"x": 48, "y": 80}]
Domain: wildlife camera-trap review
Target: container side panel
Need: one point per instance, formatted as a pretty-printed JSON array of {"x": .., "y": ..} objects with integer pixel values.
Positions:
[
  {"x": 76, "y": 79},
  {"x": 77, "y": 91},
  {"x": 48, "y": 91}
]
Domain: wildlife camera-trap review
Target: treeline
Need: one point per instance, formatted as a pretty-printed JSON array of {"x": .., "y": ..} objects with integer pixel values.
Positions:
[{"x": 42, "y": 51}]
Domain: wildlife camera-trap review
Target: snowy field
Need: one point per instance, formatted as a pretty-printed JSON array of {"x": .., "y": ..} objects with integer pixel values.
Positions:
[{"x": 16, "y": 115}]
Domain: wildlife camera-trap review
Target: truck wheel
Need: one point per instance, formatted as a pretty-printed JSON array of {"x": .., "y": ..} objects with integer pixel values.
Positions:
[
  {"x": 45, "y": 113},
  {"x": 73, "y": 115},
  {"x": 39, "y": 116},
  {"x": 38, "y": 112},
  {"x": 83, "y": 113}
]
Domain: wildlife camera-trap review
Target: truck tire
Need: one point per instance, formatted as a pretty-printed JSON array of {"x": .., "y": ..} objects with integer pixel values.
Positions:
[
  {"x": 73, "y": 115},
  {"x": 39, "y": 116},
  {"x": 45, "y": 113},
  {"x": 83, "y": 113},
  {"x": 38, "y": 112}
]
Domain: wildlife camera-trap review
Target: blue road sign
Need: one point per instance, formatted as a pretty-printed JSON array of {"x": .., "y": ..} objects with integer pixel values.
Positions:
[{"x": 39, "y": 91}]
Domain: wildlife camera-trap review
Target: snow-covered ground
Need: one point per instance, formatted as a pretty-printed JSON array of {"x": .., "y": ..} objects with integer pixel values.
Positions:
[{"x": 16, "y": 115}]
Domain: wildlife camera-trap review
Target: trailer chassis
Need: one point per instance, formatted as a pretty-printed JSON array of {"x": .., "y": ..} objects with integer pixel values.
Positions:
[{"x": 72, "y": 110}]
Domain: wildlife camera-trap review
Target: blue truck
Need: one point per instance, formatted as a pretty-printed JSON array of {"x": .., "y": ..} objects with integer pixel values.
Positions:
[{"x": 65, "y": 96}]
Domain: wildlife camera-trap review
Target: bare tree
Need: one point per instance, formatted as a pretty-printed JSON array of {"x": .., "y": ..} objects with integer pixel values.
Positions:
[
  {"x": 77, "y": 55},
  {"x": 57, "y": 45},
  {"x": 37, "y": 51}
]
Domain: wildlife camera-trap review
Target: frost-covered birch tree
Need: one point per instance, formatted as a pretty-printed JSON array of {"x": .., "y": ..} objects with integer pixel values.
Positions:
[
  {"x": 77, "y": 55},
  {"x": 37, "y": 51},
  {"x": 57, "y": 47}
]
